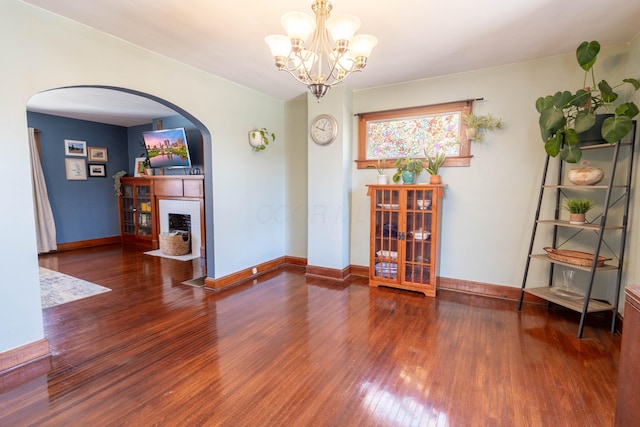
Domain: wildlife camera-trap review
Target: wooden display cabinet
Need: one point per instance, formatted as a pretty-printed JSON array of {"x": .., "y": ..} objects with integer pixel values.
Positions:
[
  {"x": 136, "y": 211},
  {"x": 405, "y": 235}
]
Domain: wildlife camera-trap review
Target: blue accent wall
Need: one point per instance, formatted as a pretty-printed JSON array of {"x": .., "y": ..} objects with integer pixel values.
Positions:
[{"x": 82, "y": 210}]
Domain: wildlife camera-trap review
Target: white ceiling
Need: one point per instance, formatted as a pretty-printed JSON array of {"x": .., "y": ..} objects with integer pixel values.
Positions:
[
  {"x": 98, "y": 105},
  {"x": 417, "y": 38}
]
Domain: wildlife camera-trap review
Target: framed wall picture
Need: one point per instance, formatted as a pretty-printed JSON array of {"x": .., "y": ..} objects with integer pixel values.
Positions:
[
  {"x": 138, "y": 166},
  {"x": 97, "y": 170},
  {"x": 75, "y": 148},
  {"x": 98, "y": 154},
  {"x": 76, "y": 169}
]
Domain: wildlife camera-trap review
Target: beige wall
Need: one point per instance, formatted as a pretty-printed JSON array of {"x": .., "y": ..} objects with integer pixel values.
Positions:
[
  {"x": 489, "y": 207},
  {"x": 294, "y": 212}
]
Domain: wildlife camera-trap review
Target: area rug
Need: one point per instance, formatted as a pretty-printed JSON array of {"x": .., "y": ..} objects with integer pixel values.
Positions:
[
  {"x": 58, "y": 288},
  {"x": 187, "y": 257},
  {"x": 198, "y": 282}
]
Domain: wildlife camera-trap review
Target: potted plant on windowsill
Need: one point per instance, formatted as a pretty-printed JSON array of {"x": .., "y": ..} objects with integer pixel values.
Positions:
[
  {"x": 408, "y": 169},
  {"x": 565, "y": 115},
  {"x": 433, "y": 165},
  {"x": 477, "y": 126},
  {"x": 577, "y": 209},
  {"x": 380, "y": 164}
]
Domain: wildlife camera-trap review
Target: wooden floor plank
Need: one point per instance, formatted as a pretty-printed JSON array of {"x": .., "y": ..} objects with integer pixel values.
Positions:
[{"x": 287, "y": 350}]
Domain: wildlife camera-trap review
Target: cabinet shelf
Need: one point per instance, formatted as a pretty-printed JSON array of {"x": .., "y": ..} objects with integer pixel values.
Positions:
[{"x": 572, "y": 304}]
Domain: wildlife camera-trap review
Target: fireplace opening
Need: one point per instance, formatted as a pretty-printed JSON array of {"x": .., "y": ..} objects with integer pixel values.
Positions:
[{"x": 179, "y": 222}]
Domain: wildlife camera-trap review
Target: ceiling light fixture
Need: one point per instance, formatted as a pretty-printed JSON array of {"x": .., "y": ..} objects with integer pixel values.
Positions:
[{"x": 333, "y": 53}]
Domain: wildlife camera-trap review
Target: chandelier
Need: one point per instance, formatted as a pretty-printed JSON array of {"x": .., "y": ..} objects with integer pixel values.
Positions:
[{"x": 333, "y": 53}]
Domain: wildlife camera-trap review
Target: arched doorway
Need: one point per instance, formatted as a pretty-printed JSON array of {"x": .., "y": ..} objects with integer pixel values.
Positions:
[{"x": 132, "y": 96}]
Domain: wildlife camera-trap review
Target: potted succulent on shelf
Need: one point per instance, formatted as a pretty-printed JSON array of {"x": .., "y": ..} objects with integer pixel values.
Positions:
[
  {"x": 565, "y": 116},
  {"x": 259, "y": 138},
  {"x": 577, "y": 209},
  {"x": 408, "y": 170},
  {"x": 433, "y": 165},
  {"x": 477, "y": 126}
]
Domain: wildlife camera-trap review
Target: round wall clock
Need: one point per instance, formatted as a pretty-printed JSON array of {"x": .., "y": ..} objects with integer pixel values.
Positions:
[{"x": 324, "y": 129}]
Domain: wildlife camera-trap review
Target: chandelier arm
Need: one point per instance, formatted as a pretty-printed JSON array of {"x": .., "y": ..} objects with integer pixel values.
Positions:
[{"x": 293, "y": 74}]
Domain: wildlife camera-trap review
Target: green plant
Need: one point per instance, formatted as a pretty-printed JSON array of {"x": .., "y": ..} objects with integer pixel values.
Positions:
[
  {"x": 265, "y": 135},
  {"x": 408, "y": 165},
  {"x": 564, "y": 115},
  {"x": 117, "y": 185},
  {"x": 477, "y": 126},
  {"x": 434, "y": 162},
  {"x": 380, "y": 166},
  {"x": 143, "y": 153},
  {"x": 578, "y": 206}
]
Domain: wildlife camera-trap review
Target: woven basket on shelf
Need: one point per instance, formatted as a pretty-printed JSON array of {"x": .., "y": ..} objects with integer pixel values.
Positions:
[
  {"x": 574, "y": 257},
  {"x": 175, "y": 245}
]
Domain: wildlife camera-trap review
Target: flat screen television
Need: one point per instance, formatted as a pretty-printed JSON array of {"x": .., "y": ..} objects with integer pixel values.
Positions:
[{"x": 167, "y": 148}]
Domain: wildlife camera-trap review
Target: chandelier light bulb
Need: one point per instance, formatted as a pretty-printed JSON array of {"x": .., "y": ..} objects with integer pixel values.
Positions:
[
  {"x": 342, "y": 27},
  {"x": 298, "y": 25},
  {"x": 279, "y": 45},
  {"x": 362, "y": 45}
]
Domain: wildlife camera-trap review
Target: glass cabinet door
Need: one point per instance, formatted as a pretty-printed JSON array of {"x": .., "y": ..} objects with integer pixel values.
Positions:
[
  {"x": 418, "y": 248},
  {"x": 128, "y": 211},
  {"x": 143, "y": 200},
  {"x": 404, "y": 237},
  {"x": 386, "y": 233}
]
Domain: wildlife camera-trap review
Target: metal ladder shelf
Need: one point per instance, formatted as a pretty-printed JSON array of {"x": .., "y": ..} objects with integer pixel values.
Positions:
[{"x": 599, "y": 226}]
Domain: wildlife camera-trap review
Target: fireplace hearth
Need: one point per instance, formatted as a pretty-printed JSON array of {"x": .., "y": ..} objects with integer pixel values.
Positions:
[{"x": 181, "y": 216}]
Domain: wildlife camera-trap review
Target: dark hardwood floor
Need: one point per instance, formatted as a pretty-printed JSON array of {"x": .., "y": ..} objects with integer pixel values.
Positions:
[{"x": 284, "y": 350}]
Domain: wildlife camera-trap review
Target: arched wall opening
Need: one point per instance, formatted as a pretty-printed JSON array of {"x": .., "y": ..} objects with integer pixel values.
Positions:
[{"x": 207, "y": 156}]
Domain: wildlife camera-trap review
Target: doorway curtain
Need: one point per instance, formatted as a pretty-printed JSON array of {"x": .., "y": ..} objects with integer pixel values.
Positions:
[{"x": 45, "y": 225}]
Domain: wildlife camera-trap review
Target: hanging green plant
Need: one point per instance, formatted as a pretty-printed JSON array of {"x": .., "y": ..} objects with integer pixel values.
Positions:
[
  {"x": 117, "y": 185},
  {"x": 259, "y": 138},
  {"x": 478, "y": 126}
]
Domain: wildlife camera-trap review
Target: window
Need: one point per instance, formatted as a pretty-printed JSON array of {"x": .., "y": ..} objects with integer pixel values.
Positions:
[{"x": 407, "y": 132}]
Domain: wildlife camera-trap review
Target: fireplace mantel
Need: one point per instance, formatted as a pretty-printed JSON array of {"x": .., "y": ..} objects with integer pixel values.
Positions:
[{"x": 174, "y": 188}]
